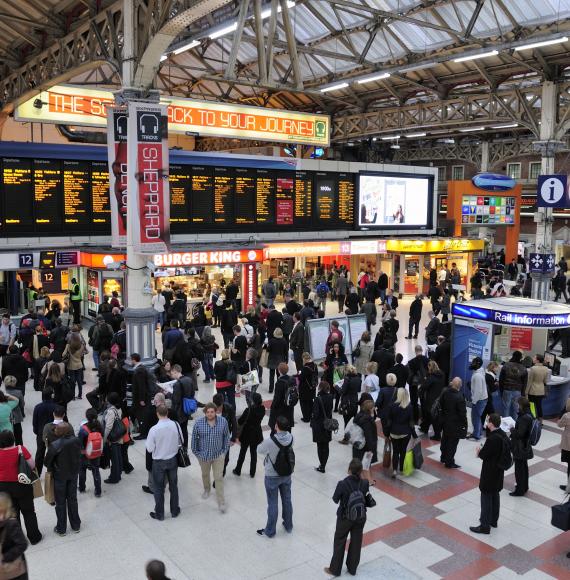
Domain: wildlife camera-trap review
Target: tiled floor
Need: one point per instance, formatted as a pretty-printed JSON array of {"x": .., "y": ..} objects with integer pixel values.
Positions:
[{"x": 419, "y": 529}]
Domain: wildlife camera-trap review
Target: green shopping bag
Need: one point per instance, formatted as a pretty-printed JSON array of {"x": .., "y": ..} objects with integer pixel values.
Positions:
[
  {"x": 533, "y": 409},
  {"x": 409, "y": 463}
]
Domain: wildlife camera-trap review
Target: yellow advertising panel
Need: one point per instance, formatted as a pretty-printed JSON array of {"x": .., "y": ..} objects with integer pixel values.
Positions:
[
  {"x": 304, "y": 249},
  {"x": 79, "y": 106},
  {"x": 432, "y": 246}
]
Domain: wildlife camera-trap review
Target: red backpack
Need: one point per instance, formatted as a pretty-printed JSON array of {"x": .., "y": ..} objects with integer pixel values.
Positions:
[{"x": 94, "y": 446}]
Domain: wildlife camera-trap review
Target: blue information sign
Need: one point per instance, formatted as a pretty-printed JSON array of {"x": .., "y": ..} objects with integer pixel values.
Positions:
[{"x": 552, "y": 191}]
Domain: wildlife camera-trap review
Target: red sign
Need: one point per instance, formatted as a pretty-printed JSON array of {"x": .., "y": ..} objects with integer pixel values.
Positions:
[
  {"x": 208, "y": 257},
  {"x": 148, "y": 155},
  {"x": 521, "y": 338},
  {"x": 117, "y": 155},
  {"x": 284, "y": 212},
  {"x": 248, "y": 285}
]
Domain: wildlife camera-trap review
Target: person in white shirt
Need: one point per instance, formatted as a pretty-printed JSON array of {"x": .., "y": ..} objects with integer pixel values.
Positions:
[
  {"x": 163, "y": 442},
  {"x": 247, "y": 330},
  {"x": 158, "y": 303}
]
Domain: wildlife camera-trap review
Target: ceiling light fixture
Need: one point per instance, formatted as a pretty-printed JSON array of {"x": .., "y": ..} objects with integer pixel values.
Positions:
[
  {"x": 163, "y": 57},
  {"x": 540, "y": 43},
  {"x": 334, "y": 87},
  {"x": 509, "y": 126},
  {"x": 411, "y": 135},
  {"x": 223, "y": 31},
  {"x": 474, "y": 56},
  {"x": 470, "y": 129},
  {"x": 391, "y": 138},
  {"x": 374, "y": 78},
  {"x": 189, "y": 46}
]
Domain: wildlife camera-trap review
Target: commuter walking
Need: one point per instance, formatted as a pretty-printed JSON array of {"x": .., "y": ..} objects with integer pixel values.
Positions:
[
  {"x": 564, "y": 423},
  {"x": 322, "y": 413},
  {"x": 279, "y": 464},
  {"x": 251, "y": 434},
  {"x": 162, "y": 443},
  {"x": 350, "y": 520},
  {"x": 521, "y": 447},
  {"x": 91, "y": 438},
  {"x": 341, "y": 291},
  {"x": 478, "y": 396},
  {"x": 43, "y": 414},
  {"x": 492, "y": 454},
  {"x": 113, "y": 434},
  {"x": 454, "y": 422},
  {"x": 308, "y": 379},
  {"x": 400, "y": 424},
  {"x": 210, "y": 443}
]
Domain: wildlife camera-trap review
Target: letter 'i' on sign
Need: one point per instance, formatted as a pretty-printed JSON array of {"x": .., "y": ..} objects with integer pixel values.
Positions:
[{"x": 552, "y": 191}]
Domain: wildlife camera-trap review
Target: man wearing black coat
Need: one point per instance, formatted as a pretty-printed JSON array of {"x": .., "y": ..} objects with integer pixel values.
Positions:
[
  {"x": 371, "y": 291},
  {"x": 442, "y": 356},
  {"x": 297, "y": 341},
  {"x": 415, "y": 316},
  {"x": 292, "y": 306},
  {"x": 15, "y": 364},
  {"x": 522, "y": 449},
  {"x": 228, "y": 412},
  {"x": 382, "y": 285},
  {"x": 417, "y": 371},
  {"x": 401, "y": 372},
  {"x": 274, "y": 320},
  {"x": 454, "y": 422},
  {"x": 182, "y": 389},
  {"x": 279, "y": 407},
  {"x": 492, "y": 476},
  {"x": 384, "y": 358},
  {"x": 432, "y": 329},
  {"x": 142, "y": 396}
]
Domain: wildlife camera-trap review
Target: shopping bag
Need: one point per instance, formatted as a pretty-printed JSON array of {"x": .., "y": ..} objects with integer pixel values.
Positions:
[
  {"x": 532, "y": 409},
  {"x": 367, "y": 460},
  {"x": 387, "y": 456},
  {"x": 561, "y": 516},
  {"x": 264, "y": 358},
  {"x": 49, "y": 488},
  {"x": 37, "y": 487},
  {"x": 418, "y": 457},
  {"x": 409, "y": 463}
]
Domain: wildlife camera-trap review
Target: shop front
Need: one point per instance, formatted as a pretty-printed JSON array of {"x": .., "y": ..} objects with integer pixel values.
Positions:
[
  {"x": 97, "y": 281},
  {"x": 197, "y": 273}
]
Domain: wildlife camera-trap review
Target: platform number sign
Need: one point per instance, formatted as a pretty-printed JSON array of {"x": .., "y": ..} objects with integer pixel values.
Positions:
[
  {"x": 26, "y": 260},
  {"x": 552, "y": 191}
]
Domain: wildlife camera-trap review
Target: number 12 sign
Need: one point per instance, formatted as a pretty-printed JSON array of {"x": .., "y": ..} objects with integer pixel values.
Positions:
[{"x": 26, "y": 260}]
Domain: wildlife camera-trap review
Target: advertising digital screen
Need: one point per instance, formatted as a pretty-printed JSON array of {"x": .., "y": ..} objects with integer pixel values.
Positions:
[
  {"x": 489, "y": 210},
  {"x": 395, "y": 201}
]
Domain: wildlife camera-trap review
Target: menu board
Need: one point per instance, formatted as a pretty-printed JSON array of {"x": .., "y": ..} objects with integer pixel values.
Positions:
[
  {"x": 245, "y": 183},
  {"x": 100, "y": 203},
  {"x": 325, "y": 187},
  {"x": 47, "y": 193},
  {"x": 265, "y": 197},
  {"x": 201, "y": 198},
  {"x": 284, "y": 200},
  {"x": 180, "y": 181},
  {"x": 303, "y": 196},
  {"x": 346, "y": 198},
  {"x": 76, "y": 194},
  {"x": 18, "y": 194},
  {"x": 224, "y": 185}
]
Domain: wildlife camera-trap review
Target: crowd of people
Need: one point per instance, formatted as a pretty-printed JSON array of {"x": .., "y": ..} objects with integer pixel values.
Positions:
[{"x": 371, "y": 388}]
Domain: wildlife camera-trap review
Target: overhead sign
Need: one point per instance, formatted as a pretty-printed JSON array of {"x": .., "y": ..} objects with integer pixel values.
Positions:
[
  {"x": 26, "y": 260},
  {"x": 531, "y": 320},
  {"x": 249, "y": 285},
  {"x": 552, "y": 191},
  {"x": 493, "y": 182},
  {"x": 218, "y": 257},
  {"x": 541, "y": 263},
  {"x": 434, "y": 246},
  {"x": 67, "y": 259},
  {"x": 89, "y": 107}
]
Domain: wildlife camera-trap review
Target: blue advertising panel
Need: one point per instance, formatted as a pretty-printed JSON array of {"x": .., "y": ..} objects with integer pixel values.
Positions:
[{"x": 506, "y": 318}]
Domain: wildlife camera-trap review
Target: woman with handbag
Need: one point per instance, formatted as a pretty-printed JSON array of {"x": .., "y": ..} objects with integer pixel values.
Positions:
[
  {"x": 362, "y": 354},
  {"x": 250, "y": 433},
  {"x": 320, "y": 420},
  {"x": 73, "y": 358},
  {"x": 334, "y": 369},
  {"x": 17, "y": 416},
  {"x": 21, "y": 494},
  {"x": 249, "y": 375},
  {"x": 386, "y": 397},
  {"x": 12, "y": 543},
  {"x": 400, "y": 419}
]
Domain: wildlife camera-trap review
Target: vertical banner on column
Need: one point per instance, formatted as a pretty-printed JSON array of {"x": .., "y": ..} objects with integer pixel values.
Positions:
[
  {"x": 148, "y": 159},
  {"x": 117, "y": 156},
  {"x": 248, "y": 285}
]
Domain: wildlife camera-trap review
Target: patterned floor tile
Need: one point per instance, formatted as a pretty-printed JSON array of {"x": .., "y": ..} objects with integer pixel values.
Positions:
[{"x": 518, "y": 560}]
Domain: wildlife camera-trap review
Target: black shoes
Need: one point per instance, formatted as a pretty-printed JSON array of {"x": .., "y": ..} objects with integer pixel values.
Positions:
[
  {"x": 516, "y": 493},
  {"x": 480, "y": 530},
  {"x": 320, "y": 469},
  {"x": 147, "y": 489},
  {"x": 236, "y": 472},
  {"x": 155, "y": 516},
  {"x": 260, "y": 532},
  {"x": 129, "y": 469},
  {"x": 176, "y": 514},
  {"x": 409, "y": 337},
  {"x": 110, "y": 481},
  {"x": 434, "y": 438},
  {"x": 139, "y": 438},
  {"x": 563, "y": 487},
  {"x": 452, "y": 466}
]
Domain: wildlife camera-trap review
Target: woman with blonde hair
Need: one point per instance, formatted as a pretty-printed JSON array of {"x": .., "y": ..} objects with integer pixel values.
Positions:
[
  {"x": 278, "y": 352},
  {"x": 371, "y": 383},
  {"x": 400, "y": 420},
  {"x": 13, "y": 543}
]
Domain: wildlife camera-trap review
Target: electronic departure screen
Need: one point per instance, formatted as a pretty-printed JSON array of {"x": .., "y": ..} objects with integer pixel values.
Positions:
[
  {"x": 245, "y": 189},
  {"x": 325, "y": 198},
  {"x": 284, "y": 199},
  {"x": 76, "y": 194},
  {"x": 47, "y": 194},
  {"x": 47, "y": 259},
  {"x": 18, "y": 195},
  {"x": 201, "y": 198},
  {"x": 100, "y": 204},
  {"x": 265, "y": 189},
  {"x": 224, "y": 186},
  {"x": 180, "y": 180}
]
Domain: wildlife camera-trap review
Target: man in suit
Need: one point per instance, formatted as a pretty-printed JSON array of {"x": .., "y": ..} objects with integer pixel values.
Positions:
[
  {"x": 274, "y": 320},
  {"x": 400, "y": 371},
  {"x": 297, "y": 341},
  {"x": 391, "y": 300},
  {"x": 142, "y": 396},
  {"x": 415, "y": 316},
  {"x": 432, "y": 329},
  {"x": 384, "y": 358},
  {"x": 454, "y": 422},
  {"x": 442, "y": 356}
]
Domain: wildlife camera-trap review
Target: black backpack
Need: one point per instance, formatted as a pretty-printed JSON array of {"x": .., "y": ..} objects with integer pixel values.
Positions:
[
  {"x": 506, "y": 460},
  {"x": 67, "y": 390},
  {"x": 355, "y": 508},
  {"x": 285, "y": 461}
]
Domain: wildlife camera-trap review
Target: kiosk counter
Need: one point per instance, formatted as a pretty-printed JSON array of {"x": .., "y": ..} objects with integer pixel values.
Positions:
[{"x": 495, "y": 327}]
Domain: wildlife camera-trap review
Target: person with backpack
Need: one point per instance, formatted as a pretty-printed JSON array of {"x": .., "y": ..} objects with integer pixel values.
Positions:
[
  {"x": 496, "y": 457},
  {"x": 269, "y": 291},
  {"x": 279, "y": 465},
  {"x": 183, "y": 393},
  {"x": 350, "y": 494},
  {"x": 113, "y": 433},
  {"x": 100, "y": 337},
  {"x": 322, "y": 424},
  {"x": 322, "y": 290},
  {"x": 91, "y": 437},
  {"x": 283, "y": 404},
  {"x": 308, "y": 379},
  {"x": 521, "y": 446},
  {"x": 512, "y": 382}
]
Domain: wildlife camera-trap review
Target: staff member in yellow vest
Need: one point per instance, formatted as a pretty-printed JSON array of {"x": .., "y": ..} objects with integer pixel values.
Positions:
[{"x": 75, "y": 297}]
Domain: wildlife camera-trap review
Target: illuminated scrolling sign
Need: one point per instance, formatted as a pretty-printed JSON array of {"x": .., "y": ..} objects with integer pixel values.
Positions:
[
  {"x": 512, "y": 318},
  {"x": 208, "y": 257},
  {"x": 80, "y": 106}
]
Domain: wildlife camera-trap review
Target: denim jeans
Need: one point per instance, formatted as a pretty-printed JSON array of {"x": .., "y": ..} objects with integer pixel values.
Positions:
[
  {"x": 208, "y": 366},
  {"x": 164, "y": 470},
  {"x": 476, "y": 412},
  {"x": 497, "y": 402},
  {"x": 93, "y": 466},
  {"x": 65, "y": 491},
  {"x": 116, "y": 462},
  {"x": 77, "y": 379},
  {"x": 510, "y": 405},
  {"x": 273, "y": 487},
  {"x": 96, "y": 359}
]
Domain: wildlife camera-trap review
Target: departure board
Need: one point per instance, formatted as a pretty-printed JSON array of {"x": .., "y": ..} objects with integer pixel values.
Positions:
[
  {"x": 303, "y": 197},
  {"x": 224, "y": 185},
  {"x": 201, "y": 198},
  {"x": 180, "y": 181},
  {"x": 76, "y": 194},
  {"x": 284, "y": 200},
  {"x": 18, "y": 194},
  {"x": 47, "y": 193},
  {"x": 265, "y": 197},
  {"x": 325, "y": 206},
  {"x": 346, "y": 199},
  {"x": 100, "y": 204},
  {"x": 244, "y": 197}
]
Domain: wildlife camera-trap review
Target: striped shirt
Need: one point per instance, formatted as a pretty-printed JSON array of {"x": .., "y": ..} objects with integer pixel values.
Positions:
[{"x": 209, "y": 442}]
